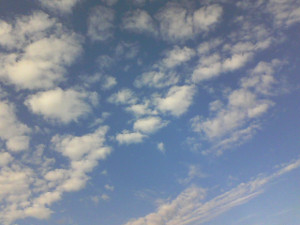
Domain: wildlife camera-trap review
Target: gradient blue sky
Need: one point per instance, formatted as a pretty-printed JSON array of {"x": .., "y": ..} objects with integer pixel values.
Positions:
[{"x": 148, "y": 112}]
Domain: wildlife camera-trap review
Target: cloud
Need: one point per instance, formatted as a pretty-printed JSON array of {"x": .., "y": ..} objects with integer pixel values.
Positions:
[
  {"x": 177, "y": 56},
  {"x": 237, "y": 120},
  {"x": 77, "y": 148},
  {"x": 63, "y": 6},
  {"x": 179, "y": 24},
  {"x": 139, "y": 21},
  {"x": 12, "y": 131},
  {"x": 36, "y": 59},
  {"x": 101, "y": 23},
  {"x": 149, "y": 124},
  {"x": 157, "y": 79},
  {"x": 108, "y": 82},
  {"x": 27, "y": 192},
  {"x": 5, "y": 159},
  {"x": 193, "y": 173},
  {"x": 60, "y": 105},
  {"x": 127, "y": 137},
  {"x": 110, "y": 2},
  {"x": 109, "y": 187},
  {"x": 124, "y": 96},
  {"x": 188, "y": 207},
  {"x": 141, "y": 109},
  {"x": 177, "y": 100},
  {"x": 161, "y": 147}
]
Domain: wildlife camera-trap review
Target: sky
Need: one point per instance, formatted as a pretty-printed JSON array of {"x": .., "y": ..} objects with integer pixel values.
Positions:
[{"x": 149, "y": 112}]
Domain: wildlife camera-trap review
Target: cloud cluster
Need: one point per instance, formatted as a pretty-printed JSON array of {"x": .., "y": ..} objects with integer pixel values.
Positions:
[
  {"x": 101, "y": 23},
  {"x": 38, "y": 51},
  {"x": 15, "y": 134},
  {"x": 25, "y": 192},
  {"x": 174, "y": 22},
  {"x": 237, "y": 120},
  {"x": 62, "y": 6},
  {"x": 188, "y": 207}
]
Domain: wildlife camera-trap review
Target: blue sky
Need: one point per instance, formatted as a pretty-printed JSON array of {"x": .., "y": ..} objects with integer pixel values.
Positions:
[{"x": 148, "y": 112}]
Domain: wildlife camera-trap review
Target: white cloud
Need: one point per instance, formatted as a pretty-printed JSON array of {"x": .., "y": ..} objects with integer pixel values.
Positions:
[
  {"x": 213, "y": 65},
  {"x": 124, "y": 96},
  {"x": 61, "y": 105},
  {"x": 149, "y": 124},
  {"x": 285, "y": 12},
  {"x": 110, "y": 2},
  {"x": 5, "y": 159},
  {"x": 105, "y": 197},
  {"x": 12, "y": 130},
  {"x": 178, "y": 24},
  {"x": 38, "y": 59},
  {"x": 108, "y": 82},
  {"x": 161, "y": 147},
  {"x": 157, "y": 79},
  {"x": 188, "y": 207},
  {"x": 193, "y": 173},
  {"x": 141, "y": 109},
  {"x": 177, "y": 100},
  {"x": 109, "y": 187},
  {"x": 139, "y": 21},
  {"x": 236, "y": 121},
  {"x": 64, "y": 6},
  {"x": 101, "y": 23},
  {"x": 177, "y": 56},
  {"x": 25, "y": 192},
  {"x": 127, "y": 137},
  {"x": 76, "y": 148}
]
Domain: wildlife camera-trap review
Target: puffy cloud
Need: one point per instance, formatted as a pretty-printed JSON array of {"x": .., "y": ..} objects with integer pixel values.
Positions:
[
  {"x": 5, "y": 159},
  {"x": 237, "y": 120},
  {"x": 25, "y": 192},
  {"x": 177, "y": 100},
  {"x": 12, "y": 130},
  {"x": 38, "y": 59},
  {"x": 110, "y": 2},
  {"x": 100, "y": 23},
  {"x": 157, "y": 79},
  {"x": 177, "y": 56},
  {"x": 189, "y": 206},
  {"x": 141, "y": 109},
  {"x": 161, "y": 147},
  {"x": 108, "y": 82},
  {"x": 127, "y": 137},
  {"x": 61, "y": 105},
  {"x": 63, "y": 6},
  {"x": 178, "y": 24},
  {"x": 149, "y": 124},
  {"x": 76, "y": 148},
  {"x": 139, "y": 21},
  {"x": 125, "y": 96}
]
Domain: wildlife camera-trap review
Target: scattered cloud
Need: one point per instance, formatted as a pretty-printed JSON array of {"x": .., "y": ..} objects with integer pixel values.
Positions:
[
  {"x": 189, "y": 206},
  {"x": 62, "y": 6},
  {"x": 157, "y": 79},
  {"x": 36, "y": 59},
  {"x": 12, "y": 131},
  {"x": 139, "y": 21},
  {"x": 101, "y": 23},
  {"x": 179, "y": 24},
  {"x": 124, "y": 96},
  {"x": 161, "y": 147},
  {"x": 237, "y": 120}
]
